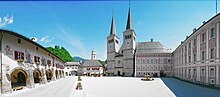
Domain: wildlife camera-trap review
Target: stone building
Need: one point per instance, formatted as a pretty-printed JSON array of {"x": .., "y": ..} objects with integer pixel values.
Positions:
[
  {"x": 71, "y": 68},
  {"x": 25, "y": 62},
  {"x": 121, "y": 61},
  {"x": 197, "y": 58},
  {"x": 152, "y": 58},
  {"x": 91, "y": 67}
]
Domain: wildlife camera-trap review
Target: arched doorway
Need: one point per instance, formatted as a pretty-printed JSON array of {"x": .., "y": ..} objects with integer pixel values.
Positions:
[
  {"x": 37, "y": 76},
  {"x": 63, "y": 73},
  {"x": 56, "y": 72},
  {"x": 18, "y": 78},
  {"x": 49, "y": 75},
  {"x": 60, "y": 74}
]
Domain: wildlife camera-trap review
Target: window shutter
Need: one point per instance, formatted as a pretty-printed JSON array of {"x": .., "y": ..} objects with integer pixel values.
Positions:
[
  {"x": 38, "y": 59},
  {"x": 35, "y": 59},
  {"x": 22, "y": 55},
  {"x": 16, "y": 55}
]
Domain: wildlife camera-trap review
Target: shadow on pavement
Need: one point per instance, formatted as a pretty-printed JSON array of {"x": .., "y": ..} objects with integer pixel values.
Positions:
[{"x": 185, "y": 89}]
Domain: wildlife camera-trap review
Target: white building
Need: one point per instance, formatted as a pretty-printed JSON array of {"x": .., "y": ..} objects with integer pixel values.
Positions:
[
  {"x": 71, "y": 68},
  {"x": 91, "y": 67},
  {"x": 25, "y": 62}
]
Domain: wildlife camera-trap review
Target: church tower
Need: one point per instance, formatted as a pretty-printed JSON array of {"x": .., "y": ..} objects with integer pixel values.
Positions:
[
  {"x": 128, "y": 47},
  {"x": 93, "y": 55},
  {"x": 112, "y": 47}
]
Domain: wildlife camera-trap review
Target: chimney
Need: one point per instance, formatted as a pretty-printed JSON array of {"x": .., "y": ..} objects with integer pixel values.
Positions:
[
  {"x": 194, "y": 29},
  {"x": 151, "y": 40}
]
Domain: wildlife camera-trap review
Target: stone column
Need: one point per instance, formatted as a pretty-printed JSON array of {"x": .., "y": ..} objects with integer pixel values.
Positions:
[
  {"x": 54, "y": 75},
  {"x": 217, "y": 75},
  {"x": 30, "y": 79},
  {"x": 207, "y": 75},
  {"x": 217, "y": 42},
  {"x": 6, "y": 80},
  {"x": 44, "y": 77}
]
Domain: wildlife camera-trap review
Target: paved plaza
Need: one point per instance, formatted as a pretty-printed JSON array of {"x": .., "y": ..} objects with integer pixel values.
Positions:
[
  {"x": 117, "y": 87},
  {"x": 61, "y": 88}
]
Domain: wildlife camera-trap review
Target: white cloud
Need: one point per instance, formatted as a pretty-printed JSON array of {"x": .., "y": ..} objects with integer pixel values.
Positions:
[
  {"x": 46, "y": 39},
  {"x": 6, "y": 20}
]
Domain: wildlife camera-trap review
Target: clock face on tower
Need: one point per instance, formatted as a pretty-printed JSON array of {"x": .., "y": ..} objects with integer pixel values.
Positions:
[
  {"x": 127, "y": 43},
  {"x": 110, "y": 45}
]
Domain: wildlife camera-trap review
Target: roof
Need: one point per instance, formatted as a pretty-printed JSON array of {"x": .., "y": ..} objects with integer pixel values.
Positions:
[
  {"x": 113, "y": 28},
  {"x": 204, "y": 24},
  {"x": 72, "y": 63},
  {"x": 91, "y": 63},
  {"x": 151, "y": 47},
  {"x": 129, "y": 21},
  {"x": 29, "y": 40}
]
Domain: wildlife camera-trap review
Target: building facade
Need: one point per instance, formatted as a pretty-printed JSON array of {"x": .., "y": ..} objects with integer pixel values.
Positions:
[
  {"x": 71, "y": 68},
  {"x": 91, "y": 67},
  {"x": 25, "y": 63},
  {"x": 197, "y": 58},
  {"x": 152, "y": 58},
  {"x": 122, "y": 61}
]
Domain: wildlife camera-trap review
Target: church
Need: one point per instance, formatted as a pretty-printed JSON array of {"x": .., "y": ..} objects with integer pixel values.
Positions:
[{"x": 136, "y": 58}]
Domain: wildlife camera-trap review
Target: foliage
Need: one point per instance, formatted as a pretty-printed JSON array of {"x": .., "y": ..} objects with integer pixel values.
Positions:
[{"x": 62, "y": 53}]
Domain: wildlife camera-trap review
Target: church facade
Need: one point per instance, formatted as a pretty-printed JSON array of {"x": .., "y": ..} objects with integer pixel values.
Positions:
[{"x": 124, "y": 60}]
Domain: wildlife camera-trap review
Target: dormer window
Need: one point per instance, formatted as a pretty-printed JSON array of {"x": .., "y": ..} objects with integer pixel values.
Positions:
[
  {"x": 212, "y": 33},
  {"x": 19, "y": 41}
]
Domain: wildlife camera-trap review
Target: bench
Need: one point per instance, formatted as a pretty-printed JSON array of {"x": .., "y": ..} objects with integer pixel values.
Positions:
[{"x": 17, "y": 88}]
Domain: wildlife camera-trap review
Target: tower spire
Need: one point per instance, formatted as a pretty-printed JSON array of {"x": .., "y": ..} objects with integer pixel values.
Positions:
[
  {"x": 113, "y": 28},
  {"x": 129, "y": 21}
]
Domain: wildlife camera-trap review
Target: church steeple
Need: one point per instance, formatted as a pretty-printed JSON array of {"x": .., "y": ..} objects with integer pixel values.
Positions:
[
  {"x": 113, "y": 28},
  {"x": 129, "y": 21}
]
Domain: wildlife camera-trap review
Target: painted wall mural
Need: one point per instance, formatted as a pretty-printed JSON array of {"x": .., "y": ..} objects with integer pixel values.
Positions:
[
  {"x": 8, "y": 50},
  {"x": 28, "y": 57}
]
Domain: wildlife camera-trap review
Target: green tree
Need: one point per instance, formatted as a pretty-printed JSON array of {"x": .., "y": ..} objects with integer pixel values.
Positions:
[{"x": 62, "y": 53}]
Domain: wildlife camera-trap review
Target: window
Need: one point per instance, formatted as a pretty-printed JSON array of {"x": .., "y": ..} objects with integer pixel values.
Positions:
[
  {"x": 211, "y": 72},
  {"x": 194, "y": 57},
  {"x": 203, "y": 55},
  {"x": 189, "y": 72},
  {"x": 194, "y": 42},
  {"x": 36, "y": 48},
  {"x": 168, "y": 60},
  {"x": 194, "y": 72},
  {"x": 116, "y": 41},
  {"x": 161, "y": 61},
  {"x": 203, "y": 72},
  {"x": 111, "y": 41},
  {"x": 19, "y": 41},
  {"x": 212, "y": 53},
  {"x": 152, "y": 61},
  {"x": 36, "y": 59},
  {"x": 212, "y": 33},
  {"x": 203, "y": 37},
  {"x": 189, "y": 45},
  {"x": 189, "y": 59},
  {"x": 49, "y": 62},
  {"x": 18, "y": 55}
]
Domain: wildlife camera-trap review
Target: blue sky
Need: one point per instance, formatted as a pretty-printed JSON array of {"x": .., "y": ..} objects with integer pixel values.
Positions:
[{"x": 80, "y": 26}]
